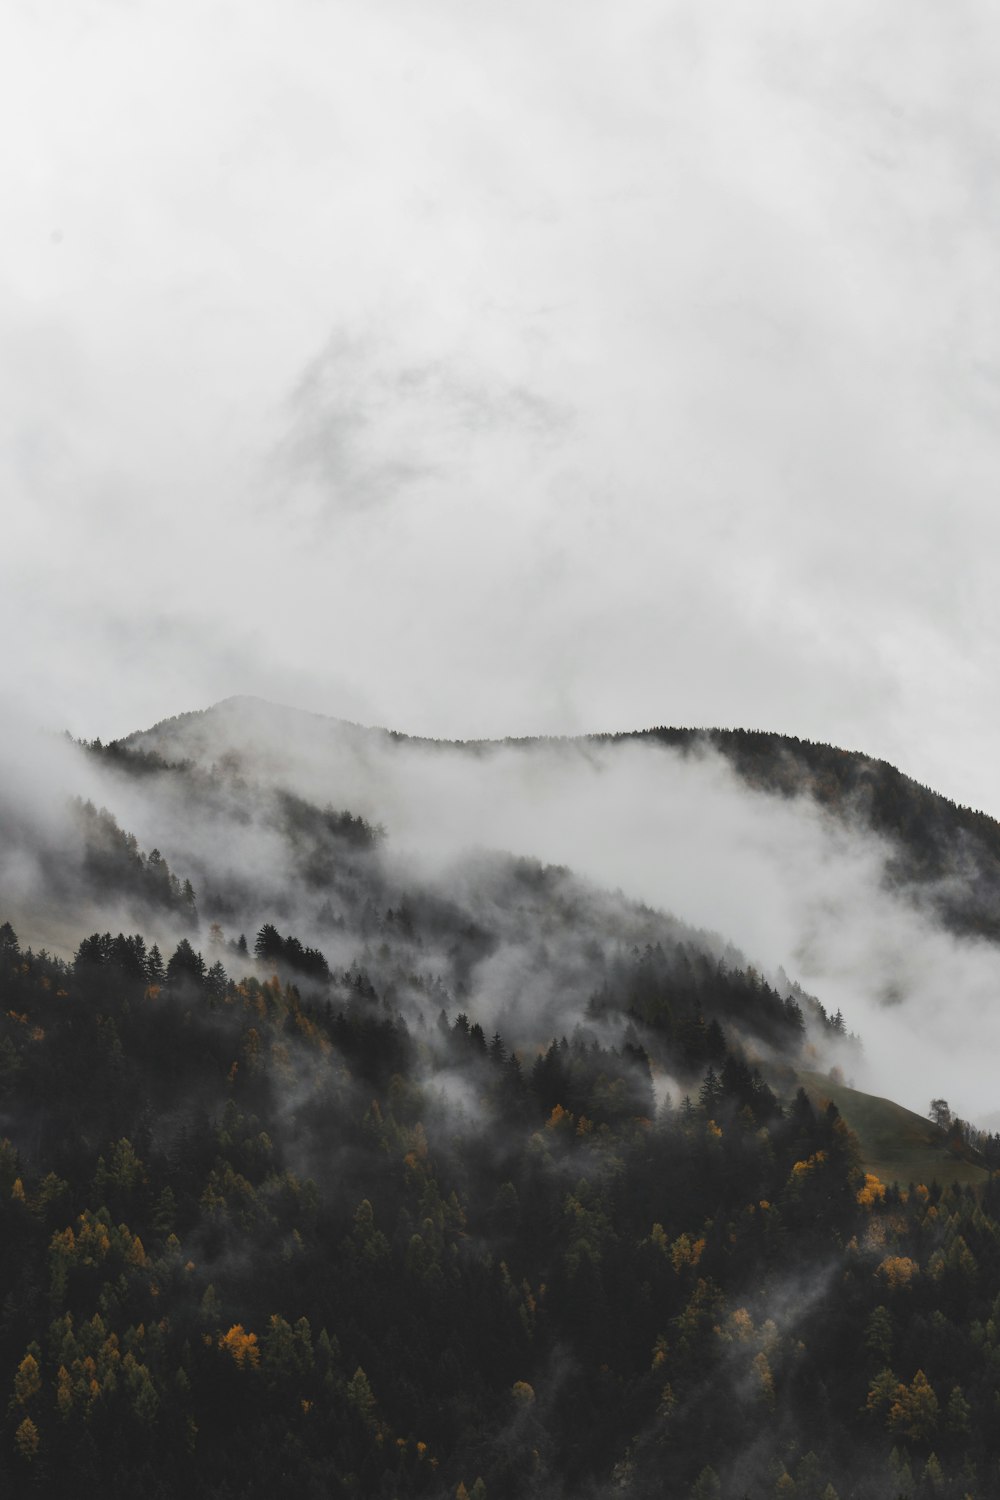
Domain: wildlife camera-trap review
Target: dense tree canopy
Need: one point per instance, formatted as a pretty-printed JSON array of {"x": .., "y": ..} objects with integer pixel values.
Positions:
[
  {"x": 489, "y": 1187},
  {"x": 260, "y": 1240}
]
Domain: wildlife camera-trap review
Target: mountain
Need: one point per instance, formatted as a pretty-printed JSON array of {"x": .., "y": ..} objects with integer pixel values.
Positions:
[
  {"x": 350, "y": 1147},
  {"x": 944, "y": 857}
]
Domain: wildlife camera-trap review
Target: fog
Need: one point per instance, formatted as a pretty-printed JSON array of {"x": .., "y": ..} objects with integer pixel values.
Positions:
[
  {"x": 788, "y": 886},
  {"x": 543, "y": 370},
  {"x": 784, "y": 882}
]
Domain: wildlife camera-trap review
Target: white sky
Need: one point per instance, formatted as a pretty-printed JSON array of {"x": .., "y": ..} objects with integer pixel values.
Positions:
[{"x": 485, "y": 369}]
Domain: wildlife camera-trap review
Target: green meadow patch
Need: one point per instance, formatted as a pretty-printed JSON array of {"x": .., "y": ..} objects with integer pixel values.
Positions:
[{"x": 896, "y": 1144}]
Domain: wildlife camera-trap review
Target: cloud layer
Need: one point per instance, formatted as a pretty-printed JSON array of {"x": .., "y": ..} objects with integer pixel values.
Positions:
[{"x": 484, "y": 372}]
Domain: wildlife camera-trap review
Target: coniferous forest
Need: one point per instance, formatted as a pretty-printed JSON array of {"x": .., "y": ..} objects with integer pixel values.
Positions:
[{"x": 292, "y": 1217}]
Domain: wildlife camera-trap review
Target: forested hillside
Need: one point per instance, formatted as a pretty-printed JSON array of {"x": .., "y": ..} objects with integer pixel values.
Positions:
[
  {"x": 329, "y": 1171},
  {"x": 264, "y": 1237}
]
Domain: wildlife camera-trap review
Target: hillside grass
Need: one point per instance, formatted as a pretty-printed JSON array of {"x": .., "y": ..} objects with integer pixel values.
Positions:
[{"x": 896, "y": 1144}]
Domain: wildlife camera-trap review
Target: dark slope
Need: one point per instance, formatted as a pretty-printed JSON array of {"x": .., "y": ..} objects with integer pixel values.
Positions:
[{"x": 273, "y": 1240}]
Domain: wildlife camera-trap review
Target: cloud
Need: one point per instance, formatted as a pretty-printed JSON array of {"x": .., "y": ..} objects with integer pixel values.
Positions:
[
  {"x": 368, "y": 424},
  {"x": 669, "y": 332}
]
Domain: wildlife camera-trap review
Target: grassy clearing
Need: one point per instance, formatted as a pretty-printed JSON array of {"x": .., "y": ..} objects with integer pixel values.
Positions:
[{"x": 896, "y": 1144}]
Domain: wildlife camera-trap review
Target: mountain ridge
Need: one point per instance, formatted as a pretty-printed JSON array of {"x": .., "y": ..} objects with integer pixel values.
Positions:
[{"x": 947, "y": 854}]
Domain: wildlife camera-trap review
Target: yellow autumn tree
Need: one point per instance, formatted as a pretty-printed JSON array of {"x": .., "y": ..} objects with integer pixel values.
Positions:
[
  {"x": 685, "y": 1251},
  {"x": 561, "y": 1123},
  {"x": 898, "y": 1271},
  {"x": 28, "y": 1380},
  {"x": 242, "y": 1347},
  {"x": 914, "y": 1413},
  {"x": 739, "y": 1326},
  {"x": 26, "y": 1440},
  {"x": 873, "y": 1191},
  {"x": 803, "y": 1170}
]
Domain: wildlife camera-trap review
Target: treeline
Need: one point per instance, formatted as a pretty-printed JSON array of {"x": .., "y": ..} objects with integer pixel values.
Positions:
[
  {"x": 295, "y": 815},
  {"x": 961, "y": 1133},
  {"x": 115, "y": 866},
  {"x": 949, "y": 852},
  {"x": 271, "y": 947},
  {"x": 685, "y": 997}
]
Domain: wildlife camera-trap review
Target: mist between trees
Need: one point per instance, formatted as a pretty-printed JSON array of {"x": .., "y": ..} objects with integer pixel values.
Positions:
[{"x": 354, "y": 1161}]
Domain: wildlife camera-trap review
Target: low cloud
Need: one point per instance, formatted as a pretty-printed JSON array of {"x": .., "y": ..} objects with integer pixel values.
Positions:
[{"x": 783, "y": 881}]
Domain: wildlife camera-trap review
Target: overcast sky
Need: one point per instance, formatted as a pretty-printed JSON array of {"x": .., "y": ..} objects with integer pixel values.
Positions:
[{"x": 497, "y": 368}]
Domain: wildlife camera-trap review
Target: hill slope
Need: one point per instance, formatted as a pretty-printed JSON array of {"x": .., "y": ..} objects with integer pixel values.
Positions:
[{"x": 896, "y": 1144}]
